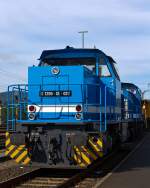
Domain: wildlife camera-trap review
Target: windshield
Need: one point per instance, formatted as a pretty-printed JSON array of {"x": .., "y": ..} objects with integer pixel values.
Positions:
[{"x": 90, "y": 63}]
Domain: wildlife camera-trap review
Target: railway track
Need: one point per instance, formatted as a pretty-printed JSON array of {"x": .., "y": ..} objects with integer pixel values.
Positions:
[
  {"x": 46, "y": 182},
  {"x": 47, "y": 178},
  {"x": 11, "y": 176},
  {"x": 49, "y": 181},
  {"x": 88, "y": 177},
  {"x": 39, "y": 178}
]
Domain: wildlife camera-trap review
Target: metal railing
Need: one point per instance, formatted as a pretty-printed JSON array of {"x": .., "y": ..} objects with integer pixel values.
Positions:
[{"x": 18, "y": 101}]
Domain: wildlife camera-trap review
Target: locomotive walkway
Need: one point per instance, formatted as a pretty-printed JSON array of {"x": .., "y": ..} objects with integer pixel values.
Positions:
[{"x": 133, "y": 172}]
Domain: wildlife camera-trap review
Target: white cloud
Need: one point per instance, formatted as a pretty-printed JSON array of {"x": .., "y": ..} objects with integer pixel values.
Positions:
[{"x": 120, "y": 28}]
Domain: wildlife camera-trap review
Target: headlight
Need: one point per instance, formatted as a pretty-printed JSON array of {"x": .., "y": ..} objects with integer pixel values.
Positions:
[
  {"x": 55, "y": 70},
  {"x": 31, "y": 116},
  {"x": 78, "y": 116}
]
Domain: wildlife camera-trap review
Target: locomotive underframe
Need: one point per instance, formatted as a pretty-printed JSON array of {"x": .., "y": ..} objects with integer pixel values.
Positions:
[
  {"x": 67, "y": 146},
  {"x": 61, "y": 145}
]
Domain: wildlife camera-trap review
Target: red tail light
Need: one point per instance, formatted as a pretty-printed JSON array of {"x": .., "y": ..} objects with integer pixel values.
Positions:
[
  {"x": 78, "y": 108},
  {"x": 32, "y": 108}
]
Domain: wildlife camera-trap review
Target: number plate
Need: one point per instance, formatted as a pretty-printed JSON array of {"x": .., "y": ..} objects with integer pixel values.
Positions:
[{"x": 55, "y": 93}]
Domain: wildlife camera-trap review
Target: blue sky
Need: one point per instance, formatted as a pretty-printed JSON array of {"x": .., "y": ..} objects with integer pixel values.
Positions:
[{"x": 119, "y": 28}]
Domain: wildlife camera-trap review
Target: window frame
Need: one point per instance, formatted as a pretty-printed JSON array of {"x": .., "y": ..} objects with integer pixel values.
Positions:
[{"x": 103, "y": 63}]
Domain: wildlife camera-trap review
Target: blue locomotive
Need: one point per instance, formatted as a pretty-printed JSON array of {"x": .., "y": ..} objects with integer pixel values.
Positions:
[
  {"x": 131, "y": 110},
  {"x": 70, "y": 112}
]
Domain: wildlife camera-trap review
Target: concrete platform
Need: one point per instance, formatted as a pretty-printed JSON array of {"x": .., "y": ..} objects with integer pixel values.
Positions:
[{"x": 134, "y": 171}]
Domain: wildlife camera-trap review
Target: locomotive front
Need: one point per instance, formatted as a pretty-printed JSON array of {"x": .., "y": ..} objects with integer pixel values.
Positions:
[
  {"x": 56, "y": 116},
  {"x": 69, "y": 114}
]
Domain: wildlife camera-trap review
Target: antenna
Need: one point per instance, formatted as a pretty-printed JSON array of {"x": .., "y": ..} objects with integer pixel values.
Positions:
[{"x": 82, "y": 35}]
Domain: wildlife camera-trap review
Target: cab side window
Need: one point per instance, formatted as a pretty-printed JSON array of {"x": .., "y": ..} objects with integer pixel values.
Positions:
[{"x": 103, "y": 69}]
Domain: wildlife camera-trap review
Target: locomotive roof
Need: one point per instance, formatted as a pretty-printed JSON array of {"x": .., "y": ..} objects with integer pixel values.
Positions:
[
  {"x": 68, "y": 49},
  {"x": 129, "y": 85}
]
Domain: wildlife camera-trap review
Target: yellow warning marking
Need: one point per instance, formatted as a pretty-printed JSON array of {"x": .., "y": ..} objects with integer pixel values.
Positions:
[
  {"x": 26, "y": 161},
  {"x": 14, "y": 153},
  {"x": 94, "y": 146},
  {"x": 16, "y": 150},
  {"x": 21, "y": 156},
  {"x": 8, "y": 150},
  {"x": 21, "y": 147},
  {"x": 90, "y": 153},
  {"x": 99, "y": 142},
  {"x": 7, "y": 142},
  {"x": 7, "y": 134},
  {"x": 79, "y": 161},
  {"x": 85, "y": 158},
  {"x": 78, "y": 158},
  {"x": 96, "y": 149},
  {"x": 76, "y": 148}
]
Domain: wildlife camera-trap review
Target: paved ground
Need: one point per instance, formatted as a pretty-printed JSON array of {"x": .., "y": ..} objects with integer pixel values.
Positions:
[{"x": 135, "y": 172}]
